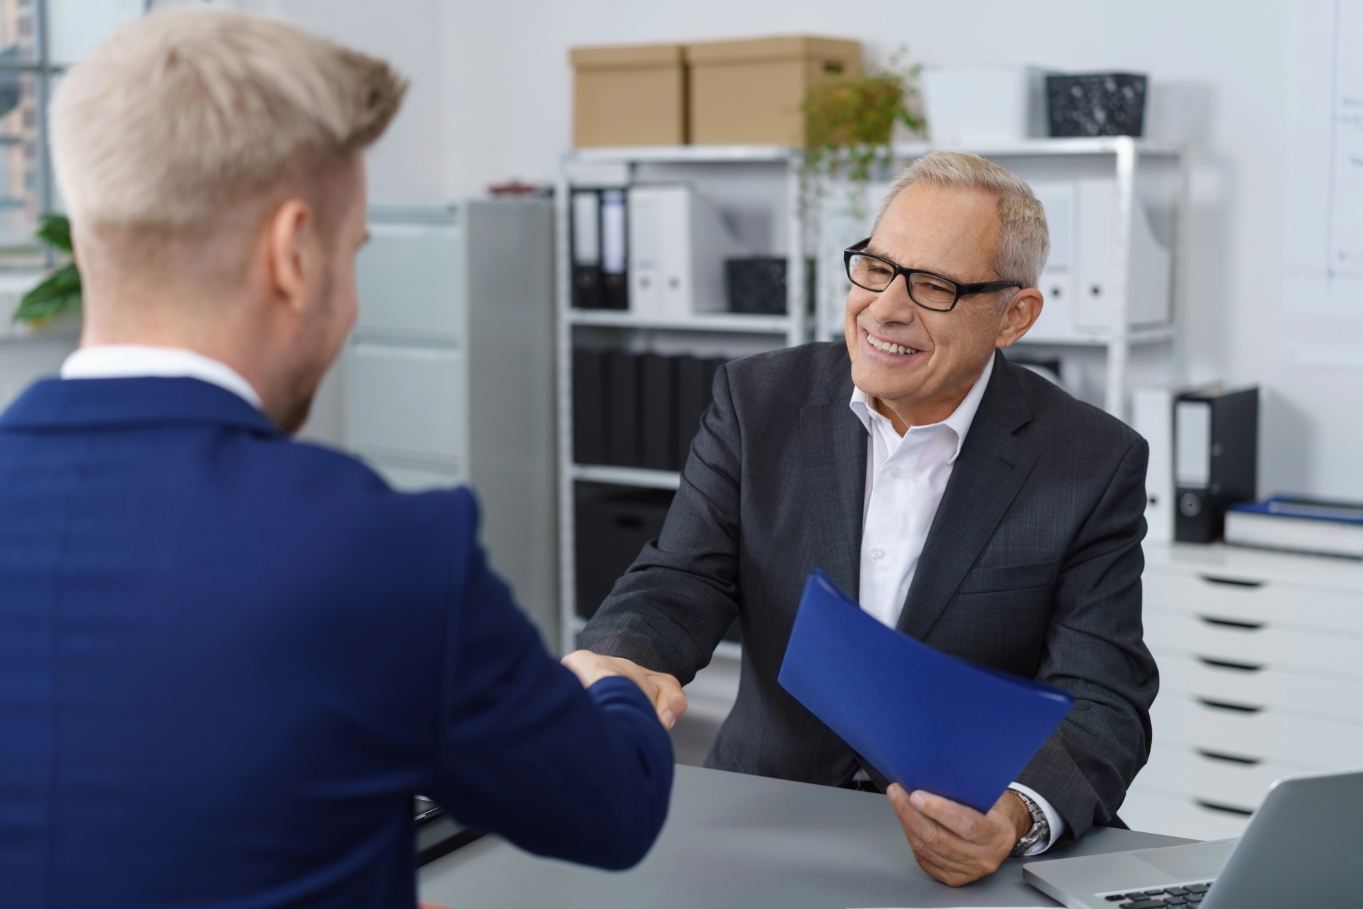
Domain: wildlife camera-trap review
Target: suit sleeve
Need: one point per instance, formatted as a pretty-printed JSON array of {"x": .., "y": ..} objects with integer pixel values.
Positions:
[
  {"x": 673, "y": 606},
  {"x": 1095, "y": 650},
  {"x": 524, "y": 751}
]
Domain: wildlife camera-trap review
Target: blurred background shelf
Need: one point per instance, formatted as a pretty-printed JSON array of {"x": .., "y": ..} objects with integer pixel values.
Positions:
[
  {"x": 716, "y": 322},
  {"x": 626, "y": 476}
]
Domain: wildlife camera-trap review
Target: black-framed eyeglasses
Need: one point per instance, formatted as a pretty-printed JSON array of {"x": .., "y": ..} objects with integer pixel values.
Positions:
[{"x": 928, "y": 290}]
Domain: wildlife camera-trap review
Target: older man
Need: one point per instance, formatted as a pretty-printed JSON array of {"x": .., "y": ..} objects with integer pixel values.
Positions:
[
  {"x": 964, "y": 501},
  {"x": 229, "y": 661}
]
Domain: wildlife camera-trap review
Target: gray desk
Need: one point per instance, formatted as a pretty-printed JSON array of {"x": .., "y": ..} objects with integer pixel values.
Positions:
[{"x": 744, "y": 841}]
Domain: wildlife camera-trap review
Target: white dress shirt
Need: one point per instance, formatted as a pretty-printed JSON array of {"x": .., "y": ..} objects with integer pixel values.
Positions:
[
  {"x": 132, "y": 361},
  {"x": 905, "y": 478}
]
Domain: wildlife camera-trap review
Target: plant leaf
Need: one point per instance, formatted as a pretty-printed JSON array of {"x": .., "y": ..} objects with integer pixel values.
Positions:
[
  {"x": 55, "y": 230},
  {"x": 58, "y": 294}
]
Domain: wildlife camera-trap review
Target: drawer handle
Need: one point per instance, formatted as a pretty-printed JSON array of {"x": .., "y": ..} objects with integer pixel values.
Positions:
[
  {"x": 1227, "y": 664},
  {"x": 1232, "y": 623},
  {"x": 1227, "y": 705},
  {"x": 1227, "y": 809},
  {"x": 1232, "y": 758},
  {"x": 1231, "y": 582}
]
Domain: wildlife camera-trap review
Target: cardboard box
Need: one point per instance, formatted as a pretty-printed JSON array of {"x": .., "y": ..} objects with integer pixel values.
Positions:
[
  {"x": 752, "y": 92},
  {"x": 629, "y": 95}
]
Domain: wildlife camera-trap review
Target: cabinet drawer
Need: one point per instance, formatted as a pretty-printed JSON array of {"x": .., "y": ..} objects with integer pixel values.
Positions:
[
  {"x": 1254, "y": 683},
  {"x": 1227, "y": 785},
  {"x": 1174, "y": 814},
  {"x": 409, "y": 402},
  {"x": 1248, "y": 599},
  {"x": 1210, "y": 634},
  {"x": 408, "y": 278},
  {"x": 405, "y": 478},
  {"x": 1203, "y": 724}
]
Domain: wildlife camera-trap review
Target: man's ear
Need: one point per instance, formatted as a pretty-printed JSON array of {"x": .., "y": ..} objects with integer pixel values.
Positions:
[
  {"x": 291, "y": 244},
  {"x": 1022, "y": 312}
]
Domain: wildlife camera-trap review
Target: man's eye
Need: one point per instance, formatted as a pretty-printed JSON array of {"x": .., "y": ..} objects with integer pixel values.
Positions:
[{"x": 872, "y": 267}]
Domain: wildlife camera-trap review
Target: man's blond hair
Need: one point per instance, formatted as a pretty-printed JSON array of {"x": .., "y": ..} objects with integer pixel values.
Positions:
[
  {"x": 1026, "y": 240},
  {"x": 188, "y": 111}
]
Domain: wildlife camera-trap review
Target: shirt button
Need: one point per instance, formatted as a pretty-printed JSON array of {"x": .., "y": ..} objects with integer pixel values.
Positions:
[
  {"x": 877, "y": 553},
  {"x": 894, "y": 471}
]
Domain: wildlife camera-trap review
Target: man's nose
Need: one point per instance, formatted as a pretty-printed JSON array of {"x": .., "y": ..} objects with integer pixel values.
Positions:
[{"x": 893, "y": 304}]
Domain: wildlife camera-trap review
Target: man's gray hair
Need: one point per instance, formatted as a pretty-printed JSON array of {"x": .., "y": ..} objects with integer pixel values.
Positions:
[
  {"x": 188, "y": 111},
  {"x": 1026, "y": 240}
]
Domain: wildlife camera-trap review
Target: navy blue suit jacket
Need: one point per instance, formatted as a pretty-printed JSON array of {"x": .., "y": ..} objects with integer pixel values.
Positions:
[{"x": 228, "y": 660}]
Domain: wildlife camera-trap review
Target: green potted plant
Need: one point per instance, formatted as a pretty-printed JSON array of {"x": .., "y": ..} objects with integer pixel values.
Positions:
[
  {"x": 59, "y": 293},
  {"x": 850, "y": 122}
]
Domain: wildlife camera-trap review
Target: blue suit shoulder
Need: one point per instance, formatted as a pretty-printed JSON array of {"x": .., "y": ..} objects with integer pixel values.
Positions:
[{"x": 326, "y": 475}]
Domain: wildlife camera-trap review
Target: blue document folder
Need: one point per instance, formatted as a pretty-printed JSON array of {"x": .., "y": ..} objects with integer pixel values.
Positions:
[{"x": 924, "y": 719}]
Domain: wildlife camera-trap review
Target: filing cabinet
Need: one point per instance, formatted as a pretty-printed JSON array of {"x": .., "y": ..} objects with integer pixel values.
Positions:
[
  {"x": 449, "y": 371},
  {"x": 1261, "y": 676}
]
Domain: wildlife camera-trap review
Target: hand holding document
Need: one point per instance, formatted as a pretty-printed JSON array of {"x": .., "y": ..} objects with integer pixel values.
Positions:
[{"x": 923, "y": 719}]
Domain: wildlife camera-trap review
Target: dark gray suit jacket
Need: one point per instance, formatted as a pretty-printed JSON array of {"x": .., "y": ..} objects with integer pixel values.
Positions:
[{"x": 1032, "y": 566}]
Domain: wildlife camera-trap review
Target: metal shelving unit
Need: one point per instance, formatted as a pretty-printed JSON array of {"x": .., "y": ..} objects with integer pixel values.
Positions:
[
  {"x": 780, "y": 167},
  {"x": 1126, "y": 159}
]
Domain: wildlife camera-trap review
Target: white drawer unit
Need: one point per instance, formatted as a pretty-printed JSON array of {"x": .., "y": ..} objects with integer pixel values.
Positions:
[
  {"x": 1254, "y": 642},
  {"x": 1216, "y": 781},
  {"x": 1256, "y": 732},
  {"x": 1304, "y": 692},
  {"x": 1261, "y": 676}
]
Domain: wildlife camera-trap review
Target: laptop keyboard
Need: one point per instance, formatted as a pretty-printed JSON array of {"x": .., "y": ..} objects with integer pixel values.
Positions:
[{"x": 1184, "y": 895}]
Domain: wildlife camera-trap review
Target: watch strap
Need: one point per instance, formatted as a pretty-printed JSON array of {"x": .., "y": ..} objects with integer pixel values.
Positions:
[{"x": 1041, "y": 828}]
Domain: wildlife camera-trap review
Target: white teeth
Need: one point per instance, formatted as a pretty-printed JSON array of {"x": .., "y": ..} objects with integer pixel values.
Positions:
[{"x": 888, "y": 347}]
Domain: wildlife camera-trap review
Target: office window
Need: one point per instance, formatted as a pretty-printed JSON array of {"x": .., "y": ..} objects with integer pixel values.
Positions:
[{"x": 38, "y": 40}]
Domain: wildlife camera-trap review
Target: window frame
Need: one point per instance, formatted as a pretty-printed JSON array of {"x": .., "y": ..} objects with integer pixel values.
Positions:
[{"x": 44, "y": 70}]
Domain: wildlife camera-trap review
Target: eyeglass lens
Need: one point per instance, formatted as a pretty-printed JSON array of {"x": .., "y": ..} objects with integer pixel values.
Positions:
[{"x": 926, "y": 290}]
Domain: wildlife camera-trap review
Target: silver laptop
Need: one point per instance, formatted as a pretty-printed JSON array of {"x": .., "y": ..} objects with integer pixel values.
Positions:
[{"x": 1303, "y": 847}]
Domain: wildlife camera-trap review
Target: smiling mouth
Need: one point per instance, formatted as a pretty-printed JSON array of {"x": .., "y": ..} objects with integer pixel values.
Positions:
[{"x": 890, "y": 347}]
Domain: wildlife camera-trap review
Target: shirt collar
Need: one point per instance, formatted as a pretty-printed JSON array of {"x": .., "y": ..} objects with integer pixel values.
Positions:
[
  {"x": 959, "y": 421},
  {"x": 128, "y": 361}
]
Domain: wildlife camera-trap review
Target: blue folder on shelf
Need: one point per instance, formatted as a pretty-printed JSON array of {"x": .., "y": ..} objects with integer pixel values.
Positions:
[{"x": 922, "y": 718}]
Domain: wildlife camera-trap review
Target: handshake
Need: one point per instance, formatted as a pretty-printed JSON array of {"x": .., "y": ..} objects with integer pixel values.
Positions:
[{"x": 663, "y": 690}]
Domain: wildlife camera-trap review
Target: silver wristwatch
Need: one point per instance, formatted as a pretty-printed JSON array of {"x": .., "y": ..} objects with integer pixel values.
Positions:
[{"x": 1041, "y": 828}]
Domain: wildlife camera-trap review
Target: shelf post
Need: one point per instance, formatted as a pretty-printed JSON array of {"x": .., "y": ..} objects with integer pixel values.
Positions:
[
  {"x": 1119, "y": 341},
  {"x": 796, "y": 294}
]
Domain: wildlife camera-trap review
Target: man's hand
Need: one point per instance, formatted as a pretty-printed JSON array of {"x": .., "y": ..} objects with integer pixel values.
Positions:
[
  {"x": 957, "y": 844},
  {"x": 662, "y": 689}
]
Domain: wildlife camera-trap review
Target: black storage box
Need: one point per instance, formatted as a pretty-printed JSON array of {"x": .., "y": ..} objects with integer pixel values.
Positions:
[
  {"x": 612, "y": 524},
  {"x": 1096, "y": 104},
  {"x": 756, "y": 284}
]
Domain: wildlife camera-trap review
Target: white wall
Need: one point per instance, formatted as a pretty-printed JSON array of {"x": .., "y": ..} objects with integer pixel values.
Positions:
[
  {"x": 1222, "y": 67},
  {"x": 492, "y": 94}
]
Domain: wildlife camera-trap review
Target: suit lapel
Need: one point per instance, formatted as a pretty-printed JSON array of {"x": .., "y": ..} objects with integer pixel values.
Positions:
[
  {"x": 833, "y": 448},
  {"x": 986, "y": 478}
]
